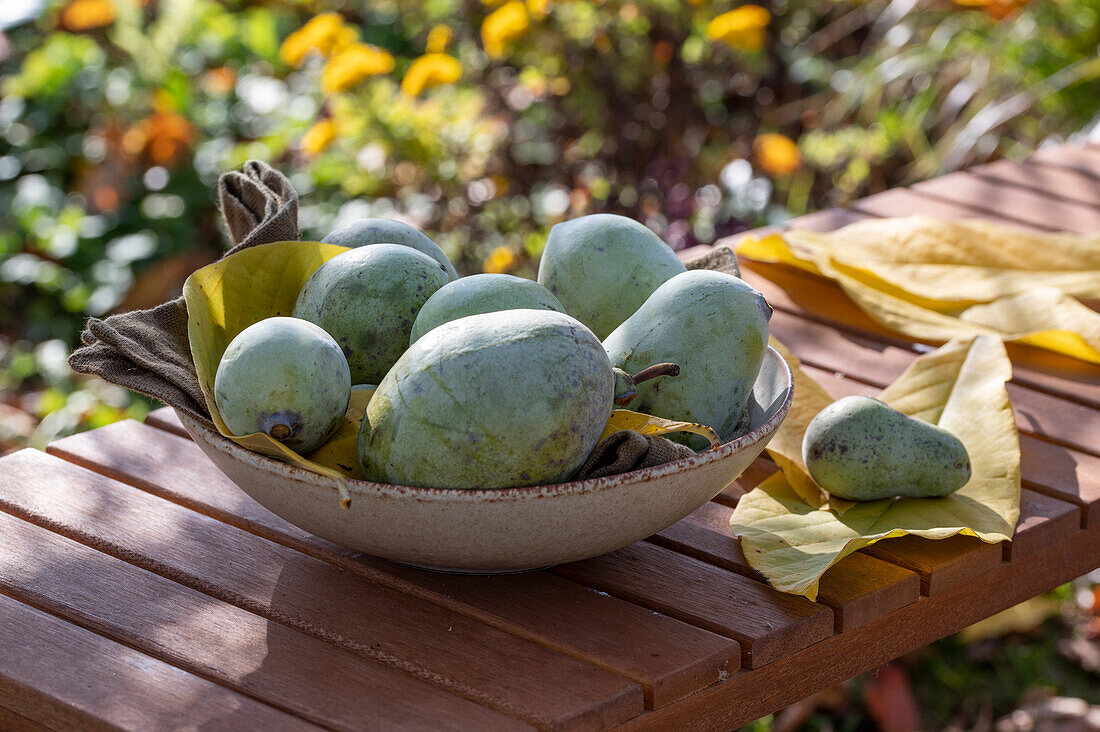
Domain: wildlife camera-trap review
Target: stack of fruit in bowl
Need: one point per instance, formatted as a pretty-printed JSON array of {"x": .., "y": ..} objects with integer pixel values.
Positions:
[{"x": 493, "y": 381}]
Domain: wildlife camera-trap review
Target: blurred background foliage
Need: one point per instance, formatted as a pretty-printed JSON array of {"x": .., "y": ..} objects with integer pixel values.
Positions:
[{"x": 484, "y": 123}]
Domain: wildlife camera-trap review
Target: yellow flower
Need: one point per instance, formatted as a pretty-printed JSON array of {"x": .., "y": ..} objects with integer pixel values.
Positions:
[
  {"x": 539, "y": 8},
  {"x": 80, "y": 15},
  {"x": 500, "y": 260},
  {"x": 353, "y": 64},
  {"x": 438, "y": 38},
  {"x": 741, "y": 27},
  {"x": 776, "y": 154},
  {"x": 318, "y": 137},
  {"x": 431, "y": 69},
  {"x": 506, "y": 23},
  {"x": 324, "y": 33}
]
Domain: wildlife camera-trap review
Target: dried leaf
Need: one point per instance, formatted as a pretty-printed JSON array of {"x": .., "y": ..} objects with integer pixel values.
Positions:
[
  {"x": 960, "y": 387},
  {"x": 231, "y": 294},
  {"x": 937, "y": 280},
  {"x": 647, "y": 424}
]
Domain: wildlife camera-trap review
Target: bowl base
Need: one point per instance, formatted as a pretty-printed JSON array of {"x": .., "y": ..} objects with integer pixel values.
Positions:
[{"x": 459, "y": 570}]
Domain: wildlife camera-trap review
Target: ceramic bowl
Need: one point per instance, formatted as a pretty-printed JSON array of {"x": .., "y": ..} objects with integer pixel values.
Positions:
[{"x": 504, "y": 529}]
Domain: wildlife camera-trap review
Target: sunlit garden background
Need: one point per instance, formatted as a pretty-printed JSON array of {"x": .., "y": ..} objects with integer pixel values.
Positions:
[{"x": 484, "y": 123}]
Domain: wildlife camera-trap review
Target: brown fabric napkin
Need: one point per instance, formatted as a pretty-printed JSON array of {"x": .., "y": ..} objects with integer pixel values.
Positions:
[
  {"x": 720, "y": 259},
  {"x": 629, "y": 450},
  {"x": 147, "y": 351}
]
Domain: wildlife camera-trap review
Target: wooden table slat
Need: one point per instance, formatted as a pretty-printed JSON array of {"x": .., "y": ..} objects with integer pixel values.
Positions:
[
  {"x": 62, "y": 676},
  {"x": 676, "y": 659},
  {"x": 1043, "y": 521},
  {"x": 827, "y": 219},
  {"x": 905, "y": 202},
  {"x": 858, "y": 589},
  {"x": 671, "y": 659},
  {"x": 165, "y": 418},
  {"x": 269, "y": 661},
  {"x": 1049, "y": 180},
  {"x": 768, "y": 624},
  {"x": 434, "y": 644},
  {"x": 941, "y": 564},
  {"x": 997, "y": 200},
  {"x": 749, "y": 695},
  {"x": 12, "y": 722},
  {"x": 1080, "y": 158}
]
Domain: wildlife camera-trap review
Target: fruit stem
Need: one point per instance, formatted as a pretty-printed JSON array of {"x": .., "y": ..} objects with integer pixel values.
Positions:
[{"x": 657, "y": 369}]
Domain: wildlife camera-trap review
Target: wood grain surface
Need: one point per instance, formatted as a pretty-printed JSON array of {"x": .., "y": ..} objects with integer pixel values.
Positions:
[
  {"x": 447, "y": 649},
  {"x": 62, "y": 676},
  {"x": 675, "y": 659}
]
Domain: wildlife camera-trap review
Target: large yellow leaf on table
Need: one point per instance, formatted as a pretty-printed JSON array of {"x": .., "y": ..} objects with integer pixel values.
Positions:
[
  {"x": 937, "y": 280},
  {"x": 792, "y": 541}
]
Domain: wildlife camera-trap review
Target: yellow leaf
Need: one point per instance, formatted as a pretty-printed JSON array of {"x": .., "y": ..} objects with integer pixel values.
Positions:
[
  {"x": 960, "y": 387},
  {"x": 231, "y": 294},
  {"x": 341, "y": 451},
  {"x": 646, "y": 424},
  {"x": 937, "y": 280},
  {"x": 786, "y": 445}
]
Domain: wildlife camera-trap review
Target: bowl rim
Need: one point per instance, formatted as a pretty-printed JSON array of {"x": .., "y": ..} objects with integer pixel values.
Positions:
[{"x": 357, "y": 487}]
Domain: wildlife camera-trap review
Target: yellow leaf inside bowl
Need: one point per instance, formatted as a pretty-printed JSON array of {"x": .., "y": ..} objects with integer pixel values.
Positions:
[{"x": 231, "y": 294}]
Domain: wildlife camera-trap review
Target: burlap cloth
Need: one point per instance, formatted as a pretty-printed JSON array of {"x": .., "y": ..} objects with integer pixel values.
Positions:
[{"x": 147, "y": 351}]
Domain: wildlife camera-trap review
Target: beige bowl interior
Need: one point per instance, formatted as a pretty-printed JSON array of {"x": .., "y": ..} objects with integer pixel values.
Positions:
[{"x": 504, "y": 529}]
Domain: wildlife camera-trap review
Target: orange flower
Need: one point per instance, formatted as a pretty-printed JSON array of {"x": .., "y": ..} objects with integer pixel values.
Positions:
[
  {"x": 318, "y": 137},
  {"x": 996, "y": 9},
  {"x": 502, "y": 259},
  {"x": 663, "y": 52},
  {"x": 507, "y": 23},
  {"x": 741, "y": 28},
  {"x": 221, "y": 80},
  {"x": 82, "y": 15},
  {"x": 165, "y": 137},
  {"x": 353, "y": 64},
  {"x": 776, "y": 154},
  {"x": 324, "y": 34},
  {"x": 431, "y": 69}
]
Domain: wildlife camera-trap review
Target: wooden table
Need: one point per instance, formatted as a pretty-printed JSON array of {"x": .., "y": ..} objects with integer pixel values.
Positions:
[{"x": 139, "y": 588}]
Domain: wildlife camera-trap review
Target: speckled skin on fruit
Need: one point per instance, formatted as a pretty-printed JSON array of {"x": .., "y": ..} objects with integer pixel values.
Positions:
[
  {"x": 862, "y": 449},
  {"x": 716, "y": 328},
  {"x": 367, "y": 299},
  {"x": 603, "y": 267},
  {"x": 497, "y": 400},
  {"x": 286, "y": 377},
  {"x": 364, "y": 232},
  {"x": 481, "y": 293}
]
